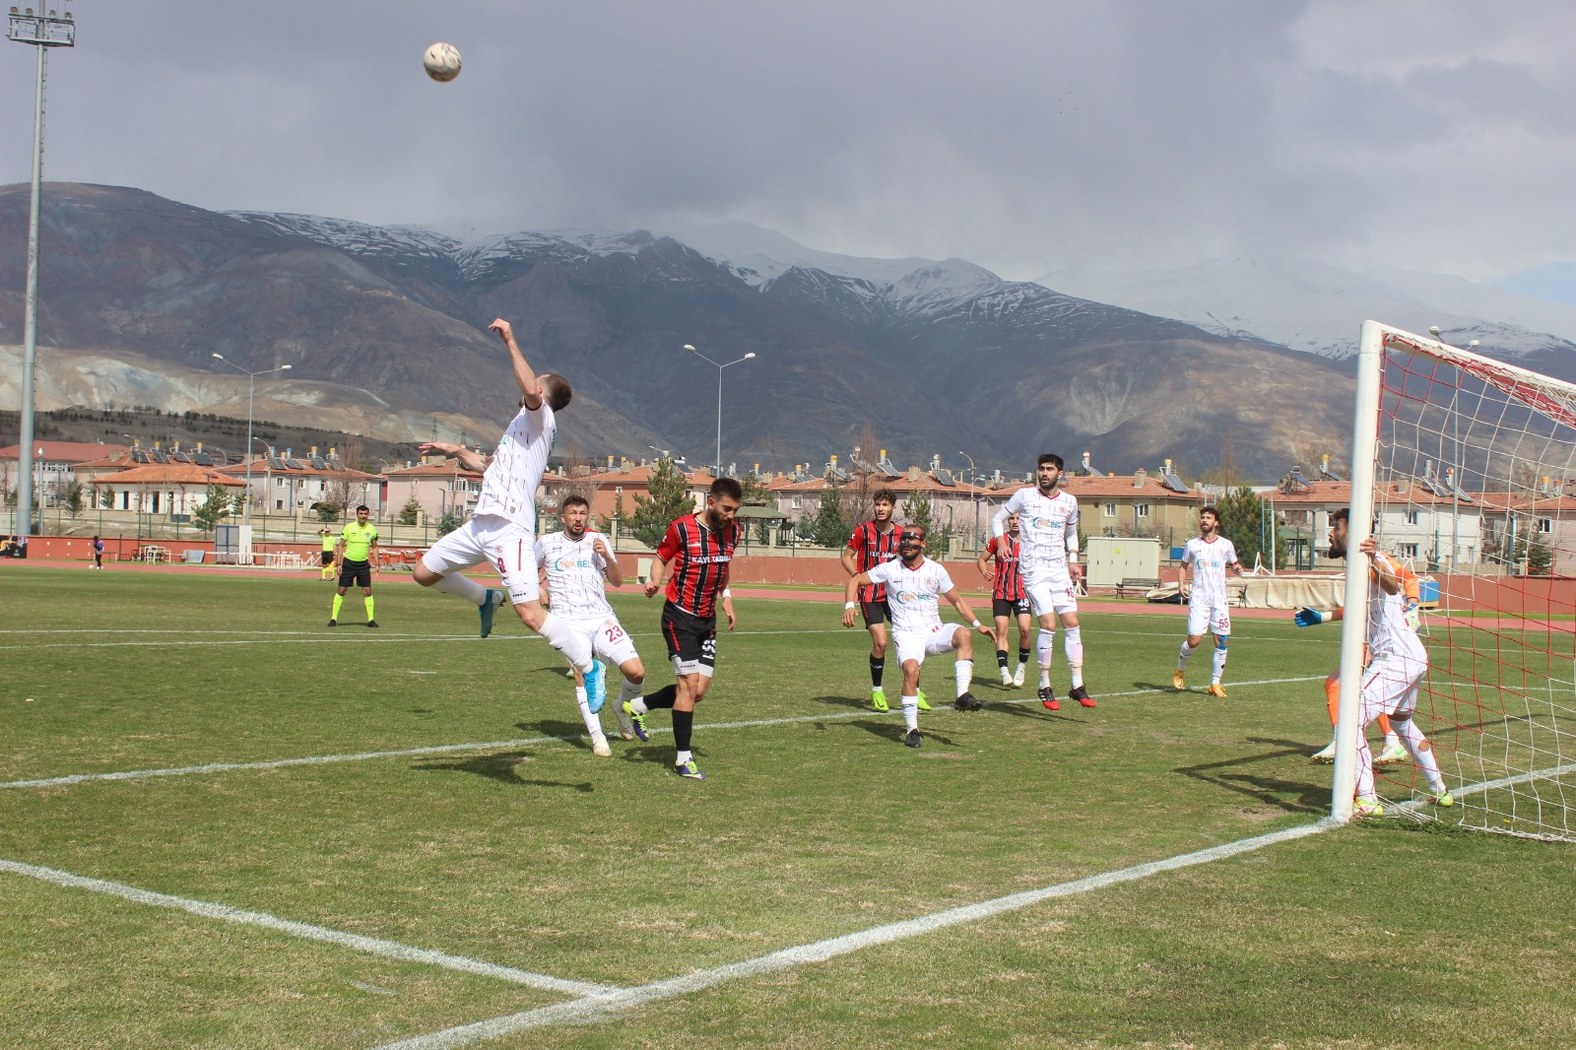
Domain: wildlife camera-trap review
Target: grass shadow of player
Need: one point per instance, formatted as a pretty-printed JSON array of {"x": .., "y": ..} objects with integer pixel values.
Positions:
[
  {"x": 1236, "y": 775},
  {"x": 501, "y": 766},
  {"x": 849, "y": 702}
]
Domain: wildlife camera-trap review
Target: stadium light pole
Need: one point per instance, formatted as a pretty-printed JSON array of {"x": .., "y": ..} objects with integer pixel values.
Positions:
[
  {"x": 719, "y": 367},
  {"x": 43, "y": 31},
  {"x": 251, "y": 394},
  {"x": 974, "y": 497}
]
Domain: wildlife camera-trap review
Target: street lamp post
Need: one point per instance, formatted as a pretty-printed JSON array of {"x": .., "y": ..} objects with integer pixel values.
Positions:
[
  {"x": 719, "y": 368},
  {"x": 974, "y": 497},
  {"x": 251, "y": 398},
  {"x": 43, "y": 31}
]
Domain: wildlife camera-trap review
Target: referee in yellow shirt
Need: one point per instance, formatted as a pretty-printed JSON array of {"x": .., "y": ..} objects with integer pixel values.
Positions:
[
  {"x": 356, "y": 550},
  {"x": 329, "y": 543}
]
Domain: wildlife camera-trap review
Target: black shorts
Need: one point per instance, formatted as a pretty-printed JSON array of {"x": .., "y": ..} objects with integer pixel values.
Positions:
[
  {"x": 358, "y": 573},
  {"x": 328, "y": 558},
  {"x": 876, "y": 612},
  {"x": 692, "y": 640},
  {"x": 1009, "y": 608}
]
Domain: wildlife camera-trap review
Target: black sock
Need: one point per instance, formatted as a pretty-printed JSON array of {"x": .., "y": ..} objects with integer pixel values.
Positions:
[
  {"x": 1023, "y": 655},
  {"x": 683, "y": 724},
  {"x": 663, "y": 697},
  {"x": 1001, "y": 659},
  {"x": 877, "y": 666}
]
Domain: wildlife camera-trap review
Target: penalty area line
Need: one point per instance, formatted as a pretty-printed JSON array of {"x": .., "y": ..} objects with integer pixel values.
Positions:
[
  {"x": 307, "y": 931},
  {"x": 492, "y": 745},
  {"x": 593, "y": 1008}
]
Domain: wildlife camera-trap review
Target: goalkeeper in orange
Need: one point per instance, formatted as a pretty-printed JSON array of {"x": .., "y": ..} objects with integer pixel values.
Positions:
[
  {"x": 1392, "y": 751},
  {"x": 1395, "y": 662}
]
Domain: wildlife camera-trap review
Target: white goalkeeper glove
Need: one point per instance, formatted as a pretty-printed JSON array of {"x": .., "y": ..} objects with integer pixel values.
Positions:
[
  {"x": 1310, "y": 617},
  {"x": 1414, "y": 616}
]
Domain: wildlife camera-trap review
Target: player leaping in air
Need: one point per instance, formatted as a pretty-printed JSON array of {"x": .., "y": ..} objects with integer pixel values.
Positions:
[
  {"x": 502, "y": 530},
  {"x": 1048, "y": 560}
]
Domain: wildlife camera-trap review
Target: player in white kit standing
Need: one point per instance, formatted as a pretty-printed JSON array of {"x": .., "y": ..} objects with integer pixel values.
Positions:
[
  {"x": 1205, "y": 560},
  {"x": 1048, "y": 560},
  {"x": 502, "y": 530},
  {"x": 914, "y": 587},
  {"x": 573, "y": 565}
]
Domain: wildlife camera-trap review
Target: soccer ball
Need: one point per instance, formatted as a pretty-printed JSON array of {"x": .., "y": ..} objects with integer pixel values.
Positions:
[{"x": 442, "y": 62}]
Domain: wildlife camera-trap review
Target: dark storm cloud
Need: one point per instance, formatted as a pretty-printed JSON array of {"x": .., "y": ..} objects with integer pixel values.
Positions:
[{"x": 1023, "y": 136}]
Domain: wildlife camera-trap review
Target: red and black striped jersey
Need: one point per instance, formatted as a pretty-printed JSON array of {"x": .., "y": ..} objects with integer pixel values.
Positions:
[
  {"x": 698, "y": 563},
  {"x": 871, "y": 547},
  {"x": 1009, "y": 581}
]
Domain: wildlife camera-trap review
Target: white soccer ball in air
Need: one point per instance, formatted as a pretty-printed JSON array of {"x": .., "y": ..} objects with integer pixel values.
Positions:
[{"x": 442, "y": 61}]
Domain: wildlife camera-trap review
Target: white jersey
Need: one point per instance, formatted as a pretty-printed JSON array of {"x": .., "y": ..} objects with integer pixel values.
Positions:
[
  {"x": 574, "y": 574},
  {"x": 1389, "y": 635},
  {"x": 510, "y": 483},
  {"x": 913, "y": 595},
  {"x": 1208, "y": 562},
  {"x": 1047, "y": 530}
]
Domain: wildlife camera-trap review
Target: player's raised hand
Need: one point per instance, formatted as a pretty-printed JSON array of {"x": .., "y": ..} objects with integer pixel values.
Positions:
[
  {"x": 1310, "y": 617},
  {"x": 504, "y": 329}
]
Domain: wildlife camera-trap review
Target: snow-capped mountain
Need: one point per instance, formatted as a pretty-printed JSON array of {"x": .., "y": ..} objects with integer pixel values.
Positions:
[{"x": 1319, "y": 309}]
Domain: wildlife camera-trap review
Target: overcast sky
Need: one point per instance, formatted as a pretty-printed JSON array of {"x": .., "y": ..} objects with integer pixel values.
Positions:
[{"x": 1023, "y": 135}]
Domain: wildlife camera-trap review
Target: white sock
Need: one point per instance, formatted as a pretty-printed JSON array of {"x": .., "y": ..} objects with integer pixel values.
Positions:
[
  {"x": 629, "y": 691},
  {"x": 1422, "y": 753},
  {"x": 1217, "y": 664},
  {"x": 593, "y": 722},
  {"x": 1072, "y": 643},
  {"x": 1045, "y": 652},
  {"x": 562, "y": 636},
  {"x": 963, "y": 671},
  {"x": 1183, "y": 653},
  {"x": 683, "y": 757},
  {"x": 911, "y": 711},
  {"x": 464, "y": 586}
]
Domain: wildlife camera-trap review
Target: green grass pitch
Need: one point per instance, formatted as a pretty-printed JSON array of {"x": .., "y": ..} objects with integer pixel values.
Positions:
[{"x": 445, "y": 802}]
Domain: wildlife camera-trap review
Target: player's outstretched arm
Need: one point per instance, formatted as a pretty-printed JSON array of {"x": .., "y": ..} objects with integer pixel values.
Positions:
[
  {"x": 964, "y": 610},
  {"x": 470, "y": 459},
  {"x": 851, "y": 596},
  {"x": 530, "y": 389}
]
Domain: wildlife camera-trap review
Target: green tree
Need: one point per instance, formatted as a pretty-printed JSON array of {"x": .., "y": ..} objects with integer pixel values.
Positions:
[
  {"x": 410, "y": 513},
  {"x": 668, "y": 498},
  {"x": 214, "y": 509},
  {"x": 830, "y": 529},
  {"x": 74, "y": 498},
  {"x": 917, "y": 511},
  {"x": 1244, "y": 521},
  {"x": 328, "y": 511},
  {"x": 1534, "y": 550}
]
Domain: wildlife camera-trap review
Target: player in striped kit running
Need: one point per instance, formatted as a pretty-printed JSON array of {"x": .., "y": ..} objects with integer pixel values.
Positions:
[
  {"x": 1009, "y": 601},
  {"x": 872, "y": 543},
  {"x": 693, "y": 559},
  {"x": 573, "y": 565},
  {"x": 502, "y": 529}
]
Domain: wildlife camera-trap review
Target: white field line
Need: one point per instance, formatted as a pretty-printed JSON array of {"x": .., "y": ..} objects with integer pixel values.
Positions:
[
  {"x": 370, "y": 945},
  {"x": 592, "y": 1008},
  {"x": 493, "y": 745}
]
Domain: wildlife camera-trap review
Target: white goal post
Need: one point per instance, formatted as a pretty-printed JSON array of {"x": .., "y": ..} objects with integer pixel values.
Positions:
[{"x": 1459, "y": 468}]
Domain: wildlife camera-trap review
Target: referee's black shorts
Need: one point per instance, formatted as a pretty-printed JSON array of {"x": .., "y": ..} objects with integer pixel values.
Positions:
[{"x": 357, "y": 573}]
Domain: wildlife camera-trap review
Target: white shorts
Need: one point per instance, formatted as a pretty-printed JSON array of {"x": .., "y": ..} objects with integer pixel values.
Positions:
[
  {"x": 1390, "y": 686},
  {"x": 916, "y": 645},
  {"x": 1208, "y": 618},
  {"x": 1055, "y": 594},
  {"x": 609, "y": 640},
  {"x": 507, "y": 546}
]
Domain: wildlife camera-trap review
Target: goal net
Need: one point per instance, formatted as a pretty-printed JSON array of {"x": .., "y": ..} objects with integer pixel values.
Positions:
[{"x": 1463, "y": 461}]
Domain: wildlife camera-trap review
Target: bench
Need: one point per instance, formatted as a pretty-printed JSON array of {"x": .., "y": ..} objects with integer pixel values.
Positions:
[{"x": 1136, "y": 586}]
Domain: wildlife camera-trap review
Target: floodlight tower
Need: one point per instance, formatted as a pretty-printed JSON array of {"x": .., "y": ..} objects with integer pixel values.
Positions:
[{"x": 43, "y": 31}]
